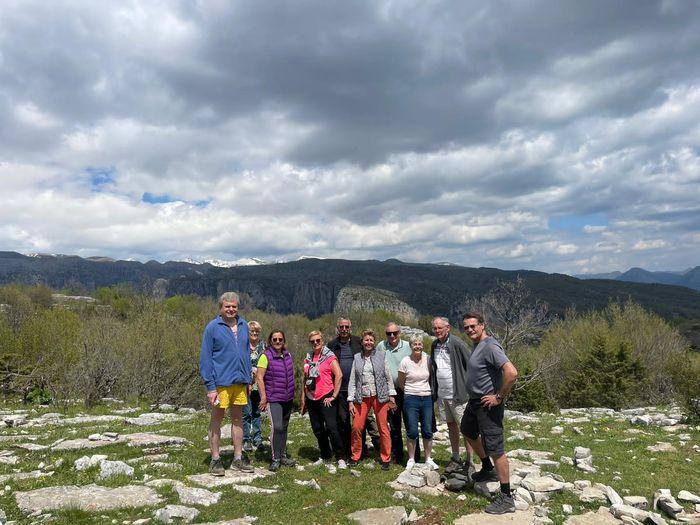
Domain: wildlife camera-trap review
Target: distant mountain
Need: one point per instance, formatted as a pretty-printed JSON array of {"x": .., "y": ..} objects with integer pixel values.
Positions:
[
  {"x": 689, "y": 278},
  {"x": 246, "y": 261},
  {"x": 312, "y": 286}
]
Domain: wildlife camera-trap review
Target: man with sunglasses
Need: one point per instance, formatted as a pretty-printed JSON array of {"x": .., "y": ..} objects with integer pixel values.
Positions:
[
  {"x": 345, "y": 346},
  {"x": 396, "y": 349},
  {"x": 491, "y": 378}
]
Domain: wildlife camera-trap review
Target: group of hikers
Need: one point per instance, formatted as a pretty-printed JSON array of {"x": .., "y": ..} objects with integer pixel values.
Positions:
[{"x": 353, "y": 385}]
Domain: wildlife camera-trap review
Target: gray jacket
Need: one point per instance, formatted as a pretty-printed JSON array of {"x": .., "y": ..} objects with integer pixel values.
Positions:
[{"x": 459, "y": 358}]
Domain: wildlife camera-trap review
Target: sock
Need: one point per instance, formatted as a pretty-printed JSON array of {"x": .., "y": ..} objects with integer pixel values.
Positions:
[
  {"x": 215, "y": 459},
  {"x": 505, "y": 488},
  {"x": 238, "y": 457},
  {"x": 486, "y": 463},
  {"x": 455, "y": 457}
]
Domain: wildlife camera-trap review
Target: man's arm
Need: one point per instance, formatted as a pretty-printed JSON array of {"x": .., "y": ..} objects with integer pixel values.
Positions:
[
  {"x": 510, "y": 374},
  {"x": 206, "y": 366}
]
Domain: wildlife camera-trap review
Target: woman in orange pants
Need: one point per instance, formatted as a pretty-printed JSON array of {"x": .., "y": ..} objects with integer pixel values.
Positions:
[{"x": 371, "y": 387}]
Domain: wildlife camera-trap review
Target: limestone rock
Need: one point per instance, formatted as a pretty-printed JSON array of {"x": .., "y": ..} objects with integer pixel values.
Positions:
[
  {"x": 601, "y": 517},
  {"x": 114, "y": 468},
  {"x": 591, "y": 494},
  {"x": 541, "y": 484},
  {"x": 636, "y": 501},
  {"x": 685, "y": 495},
  {"x": 311, "y": 483},
  {"x": 196, "y": 496},
  {"x": 381, "y": 516},
  {"x": 525, "y": 517},
  {"x": 171, "y": 513},
  {"x": 144, "y": 439},
  {"x": 661, "y": 446},
  {"x": 91, "y": 498},
  {"x": 625, "y": 510},
  {"x": 408, "y": 478},
  {"x": 86, "y": 462},
  {"x": 231, "y": 477},
  {"x": 250, "y": 489}
]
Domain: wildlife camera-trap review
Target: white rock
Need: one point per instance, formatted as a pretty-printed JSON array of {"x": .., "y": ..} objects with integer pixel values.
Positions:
[
  {"x": 170, "y": 513},
  {"x": 114, "y": 468},
  {"x": 685, "y": 495},
  {"x": 312, "y": 483},
  {"x": 636, "y": 501},
  {"x": 86, "y": 462},
  {"x": 567, "y": 509},
  {"x": 196, "y": 496}
]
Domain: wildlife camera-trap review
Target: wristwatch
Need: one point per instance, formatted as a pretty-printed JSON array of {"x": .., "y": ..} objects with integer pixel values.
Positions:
[{"x": 499, "y": 397}]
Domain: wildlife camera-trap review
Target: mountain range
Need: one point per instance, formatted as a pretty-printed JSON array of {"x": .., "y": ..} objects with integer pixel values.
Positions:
[
  {"x": 689, "y": 277},
  {"x": 312, "y": 286}
]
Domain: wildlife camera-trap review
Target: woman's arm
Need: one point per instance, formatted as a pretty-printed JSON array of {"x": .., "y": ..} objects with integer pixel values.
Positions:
[
  {"x": 351, "y": 390},
  {"x": 402, "y": 379},
  {"x": 259, "y": 375},
  {"x": 337, "y": 380}
]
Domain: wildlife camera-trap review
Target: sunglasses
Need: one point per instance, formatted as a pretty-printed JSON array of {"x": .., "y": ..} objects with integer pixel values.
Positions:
[
  {"x": 277, "y": 340},
  {"x": 315, "y": 341},
  {"x": 255, "y": 331},
  {"x": 392, "y": 333}
]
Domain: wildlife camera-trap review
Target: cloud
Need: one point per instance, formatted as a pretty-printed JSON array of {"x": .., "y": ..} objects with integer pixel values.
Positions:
[{"x": 560, "y": 137}]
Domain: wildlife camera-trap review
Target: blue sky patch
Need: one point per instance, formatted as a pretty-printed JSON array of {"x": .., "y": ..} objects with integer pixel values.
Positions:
[
  {"x": 101, "y": 176},
  {"x": 152, "y": 198},
  {"x": 576, "y": 222}
]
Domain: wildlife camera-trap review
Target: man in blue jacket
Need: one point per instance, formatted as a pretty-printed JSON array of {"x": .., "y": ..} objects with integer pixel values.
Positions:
[{"x": 224, "y": 364}]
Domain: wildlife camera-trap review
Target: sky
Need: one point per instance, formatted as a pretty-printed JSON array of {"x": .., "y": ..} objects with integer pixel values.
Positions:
[{"x": 561, "y": 136}]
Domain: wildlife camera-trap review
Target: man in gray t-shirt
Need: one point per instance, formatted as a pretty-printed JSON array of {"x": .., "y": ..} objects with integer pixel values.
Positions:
[{"x": 490, "y": 377}]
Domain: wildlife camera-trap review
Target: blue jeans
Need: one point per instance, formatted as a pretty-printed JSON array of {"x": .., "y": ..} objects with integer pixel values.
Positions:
[
  {"x": 418, "y": 408},
  {"x": 251, "y": 420}
]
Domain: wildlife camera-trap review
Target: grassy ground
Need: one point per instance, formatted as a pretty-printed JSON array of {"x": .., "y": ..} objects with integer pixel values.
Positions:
[{"x": 641, "y": 472}]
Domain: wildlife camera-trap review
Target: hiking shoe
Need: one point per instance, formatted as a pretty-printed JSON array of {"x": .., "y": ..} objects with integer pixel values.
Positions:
[
  {"x": 342, "y": 464},
  {"x": 274, "y": 466},
  {"x": 216, "y": 468},
  {"x": 485, "y": 475},
  {"x": 429, "y": 462},
  {"x": 260, "y": 447},
  {"x": 502, "y": 504},
  {"x": 453, "y": 465},
  {"x": 247, "y": 446},
  {"x": 410, "y": 463},
  {"x": 287, "y": 461},
  {"x": 386, "y": 465},
  {"x": 242, "y": 466}
]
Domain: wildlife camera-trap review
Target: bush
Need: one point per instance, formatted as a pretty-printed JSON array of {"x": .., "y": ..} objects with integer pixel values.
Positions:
[{"x": 38, "y": 396}]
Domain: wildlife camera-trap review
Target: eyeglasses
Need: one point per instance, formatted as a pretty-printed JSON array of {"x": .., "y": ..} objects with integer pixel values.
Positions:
[
  {"x": 315, "y": 341},
  {"x": 277, "y": 340},
  {"x": 255, "y": 331},
  {"x": 343, "y": 327},
  {"x": 392, "y": 333}
]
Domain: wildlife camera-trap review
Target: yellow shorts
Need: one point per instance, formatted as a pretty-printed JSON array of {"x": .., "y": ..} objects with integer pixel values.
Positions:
[{"x": 232, "y": 395}]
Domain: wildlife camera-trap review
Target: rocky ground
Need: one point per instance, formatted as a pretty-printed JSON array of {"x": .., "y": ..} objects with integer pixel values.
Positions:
[{"x": 136, "y": 465}]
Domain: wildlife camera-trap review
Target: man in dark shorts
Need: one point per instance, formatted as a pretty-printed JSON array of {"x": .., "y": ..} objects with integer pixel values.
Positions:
[{"x": 490, "y": 378}]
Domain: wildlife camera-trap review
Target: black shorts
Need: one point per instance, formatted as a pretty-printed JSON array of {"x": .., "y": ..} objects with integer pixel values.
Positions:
[{"x": 485, "y": 421}]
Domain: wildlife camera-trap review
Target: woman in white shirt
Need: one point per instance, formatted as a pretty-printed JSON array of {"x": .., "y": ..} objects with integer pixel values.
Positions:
[{"x": 414, "y": 378}]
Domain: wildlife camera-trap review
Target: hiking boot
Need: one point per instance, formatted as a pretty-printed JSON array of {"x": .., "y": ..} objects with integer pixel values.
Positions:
[
  {"x": 274, "y": 466},
  {"x": 485, "y": 475},
  {"x": 386, "y": 465},
  {"x": 247, "y": 446},
  {"x": 453, "y": 466},
  {"x": 288, "y": 462},
  {"x": 501, "y": 504},
  {"x": 352, "y": 463},
  {"x": 216, "y": 468},
  {"x": 242, "y": 466}
]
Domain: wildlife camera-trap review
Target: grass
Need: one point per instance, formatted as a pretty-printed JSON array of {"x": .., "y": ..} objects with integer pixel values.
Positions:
[{"x": 641, "y": 472}]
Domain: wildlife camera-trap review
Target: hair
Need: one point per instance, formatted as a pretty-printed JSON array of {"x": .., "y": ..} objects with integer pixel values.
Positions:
[
  {"x": 343, "y": 319},
  {"x": 475, "y": 315},
  {"x": 415, "y": 338},
  {"x": 254, "y": 324},
  {"x": 269, "y": 337},
  {"x": 315, "y": 332},
  {"x": 228, "y": 297},
  {"x": 443, "y": 319},
  {"x": 397, "y": 325},
  {"x": 368, "y": 332}
]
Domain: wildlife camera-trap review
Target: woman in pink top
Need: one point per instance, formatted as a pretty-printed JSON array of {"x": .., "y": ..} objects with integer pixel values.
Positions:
[{"x": 322, "y": 379}]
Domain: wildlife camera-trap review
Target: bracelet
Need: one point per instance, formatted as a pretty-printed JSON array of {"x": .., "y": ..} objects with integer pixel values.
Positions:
[{"x": 499, "y": 397}]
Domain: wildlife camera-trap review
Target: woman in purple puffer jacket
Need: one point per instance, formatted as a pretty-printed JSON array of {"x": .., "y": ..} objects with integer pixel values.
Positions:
[{"x": 275, "y": 380}]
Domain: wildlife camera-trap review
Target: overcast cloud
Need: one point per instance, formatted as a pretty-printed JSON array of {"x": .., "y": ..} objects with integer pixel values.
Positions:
[{"x": 556, "y": 135}]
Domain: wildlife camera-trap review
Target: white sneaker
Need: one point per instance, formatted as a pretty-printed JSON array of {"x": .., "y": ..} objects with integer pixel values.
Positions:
[
  {"x": 342, "y": 464},
  {"x": 431, "y": 464},
  {"x": 318, "y": 462},
  {"x": 410, "y": 463}
]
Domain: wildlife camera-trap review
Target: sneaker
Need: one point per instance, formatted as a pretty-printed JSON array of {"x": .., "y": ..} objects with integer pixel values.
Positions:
[
  {"x": 485, "y": 475},
  {"x": 429, "y": 462},
  {"x": 288, "y": 462},
  {"x": 318, "y": 462},
  {"x": 453, "y": 466},
  {"x": 386, "y": 465},
  {"x": 260, "y": 447},
  {"x": 274, "y": 466},
  {"x": 216, "y": 468},
  {"x": 247, "y": 446},
  {"x": 342, "y": 464},
  {"x": 242, "y": 466},
  {"x": 501, "y": 504},
  {"x": 410, "y": 463}
]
